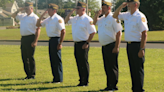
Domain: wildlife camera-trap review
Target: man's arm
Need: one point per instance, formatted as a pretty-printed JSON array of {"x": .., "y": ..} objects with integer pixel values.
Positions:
[
  {"x": 117, "y": 44},
  {"x": 89, "y": 39},
  {"x": 16, "y": 13},
  {"x": 38, "y": 24},
  {"x": 68, "y": 16},
  {"x": 62, "y": 35},
  {"x": 118, "y": 10},
  {"x": 34, "y": 43},
  {"x": 143, "y": 43},
  {"x": 96, "y": 17}
]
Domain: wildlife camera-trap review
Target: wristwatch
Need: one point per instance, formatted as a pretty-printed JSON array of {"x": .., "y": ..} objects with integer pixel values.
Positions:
[
  {"x": 142, "y": 49},
  {"x": 60, "y": 43},
  {"x": 87, "y": 42}
]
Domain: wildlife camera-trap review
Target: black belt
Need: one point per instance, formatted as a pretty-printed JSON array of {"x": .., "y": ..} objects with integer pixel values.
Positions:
[
  {"x": 110, "y": 43},
  {"x": 29, "y": 35},
  {"x": 54, "y": 37},
  {"x": 132, "y": 42},
  {"x": 80, "y": 42}
]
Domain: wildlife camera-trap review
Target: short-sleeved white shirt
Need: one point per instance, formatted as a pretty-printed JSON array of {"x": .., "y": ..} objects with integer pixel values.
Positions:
[
  {"x": 134, "y": 25},
  {"x": 54, "y": 25},
  {"x": 27, "y": 23},
  {"x": 107, "y": 29},
  {"x": 82, "y": 27}
]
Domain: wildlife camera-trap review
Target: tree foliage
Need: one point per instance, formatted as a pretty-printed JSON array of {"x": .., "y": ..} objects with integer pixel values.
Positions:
[
  {"x": 4, "y": 2},
  {"x": 42, "y": 4},
  {"x": 20, "y": 3},
  {"x": 154, "y": 10},
  {"x": 93, "y": 5}
]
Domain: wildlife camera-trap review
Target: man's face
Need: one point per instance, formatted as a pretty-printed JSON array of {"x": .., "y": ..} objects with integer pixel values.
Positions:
[
  {"x": 51, "y": 11},
  {"x": 79, "y": 9},
  {"x": 105, "y": 9},
  {"x": 28, "y": 9},
  {"x": 130, "y": 5}
]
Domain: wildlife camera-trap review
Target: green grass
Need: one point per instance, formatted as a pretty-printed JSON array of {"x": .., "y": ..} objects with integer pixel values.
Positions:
[
  {"x": 14, "y": 34},
  {"x": 12, "y": 73}
]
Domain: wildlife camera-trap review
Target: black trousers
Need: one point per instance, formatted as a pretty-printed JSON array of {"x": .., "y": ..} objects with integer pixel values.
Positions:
[
  {"x": 136, "y": 66},
  {"x": 55, "y": 59},
  {"x": 81, "y": 56},
  {"x": 27, "y": 53},
  {"x": 110, "y": 65}
]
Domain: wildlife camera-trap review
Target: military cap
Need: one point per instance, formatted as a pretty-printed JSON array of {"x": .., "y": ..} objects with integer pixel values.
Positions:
[
  {"x": 53, "y": 6},
  {"x": 132, "y": 0},
  {"x": 106, "y": 3},
  {"x": 28, "y": 4},
  {"x": 82, "y": 4}
]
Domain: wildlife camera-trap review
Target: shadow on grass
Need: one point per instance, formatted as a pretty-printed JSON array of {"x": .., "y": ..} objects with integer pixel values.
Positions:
[
  {"x": 16, "y": 84},
  {"x": 37, "y": 89},
  {"x": 11, "y": 79},
  {"x": 91, "y": 91}
]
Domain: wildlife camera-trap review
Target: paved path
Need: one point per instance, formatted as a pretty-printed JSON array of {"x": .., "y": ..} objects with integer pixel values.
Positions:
[
  {"x": 94, "y": 44},
  {"x": 2, "y": 28}
]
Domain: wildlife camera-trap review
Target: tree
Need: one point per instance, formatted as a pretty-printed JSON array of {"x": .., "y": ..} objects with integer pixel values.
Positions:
[
  {"x": 92, "y": 4},
  {"x": 42, "y": 4},
  {"x": 153, "y": 9},
  {"x": 20, "y": 3},
  {"x": 4, "y": 2}
]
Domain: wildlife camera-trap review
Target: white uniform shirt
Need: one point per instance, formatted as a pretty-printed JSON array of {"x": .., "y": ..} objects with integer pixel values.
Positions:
[
  {"x": 107, "y": 29},
  {"x": 27, "y": 23},
  {"x": 134, "y": 25},
  {"x": 82, "y": 27},
  {"x": 54, "y": 25}
]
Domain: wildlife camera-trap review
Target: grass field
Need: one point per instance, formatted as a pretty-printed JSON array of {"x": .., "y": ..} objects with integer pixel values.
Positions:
[
  {"x": 12, "y": 73},
  {"x": 14, "y": 34}
]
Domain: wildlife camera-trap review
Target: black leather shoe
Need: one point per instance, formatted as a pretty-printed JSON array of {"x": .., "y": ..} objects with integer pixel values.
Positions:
[
  {"x": 26, "y": 78},
  {"x": 107, "y": 89},
  {"x": 82, "y": 84},
  {"x": 32, "y": 77},
  {"x": 57, "y": 82}
]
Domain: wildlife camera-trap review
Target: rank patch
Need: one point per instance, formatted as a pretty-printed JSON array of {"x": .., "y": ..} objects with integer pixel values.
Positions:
[
  {"x": 91, "y": 22},
  {"x": 143, "y": 19},
  {"x": 60, "y": 21}
]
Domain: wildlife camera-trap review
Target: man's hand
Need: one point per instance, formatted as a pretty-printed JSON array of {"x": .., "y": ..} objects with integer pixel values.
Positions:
[
  {"x": 21, "y": 9},
  {"x": 72, "y": 11},
  {"x": 124, "y": 4},
  {"x": 59, "y": 46},
  {"x": 46, "y": 11},
  {"x": 33, "y": 44},
  {"x": 99, "y": 12},
  {"x": 85, "y": 46},
  {"x": 115, "y": 50},
  {"x": 141, "y": 53}
]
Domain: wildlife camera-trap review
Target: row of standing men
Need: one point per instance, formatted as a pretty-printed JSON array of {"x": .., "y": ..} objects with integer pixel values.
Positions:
[{"x": 83, "y": 30}]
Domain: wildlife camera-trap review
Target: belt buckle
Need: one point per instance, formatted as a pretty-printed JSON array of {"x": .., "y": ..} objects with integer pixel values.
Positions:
[{"x": 129, "y": 42}]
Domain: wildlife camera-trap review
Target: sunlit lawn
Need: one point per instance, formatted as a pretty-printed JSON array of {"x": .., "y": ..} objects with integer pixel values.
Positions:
[
  {"x": 12, "y": 73},
  {"x": 14, "y": 34}
]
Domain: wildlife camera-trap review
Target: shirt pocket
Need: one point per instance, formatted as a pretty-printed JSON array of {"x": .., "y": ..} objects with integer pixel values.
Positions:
[
  {"x": 30, "y": 22},
  {"x": 82, "y": 26},
  {"x": 134, "y": 26},
  {"x": 108, "y": 25}
]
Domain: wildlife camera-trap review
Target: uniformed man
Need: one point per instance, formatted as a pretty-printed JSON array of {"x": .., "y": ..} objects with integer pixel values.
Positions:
[
  {"x": 136, "y": 35},
  {"x": 30, "y": 34},
  {"x": 109, "y": 37},
  {"x": 83, "y": 31},
  {"x": 55, "y": 28}
]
